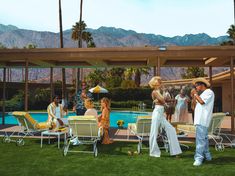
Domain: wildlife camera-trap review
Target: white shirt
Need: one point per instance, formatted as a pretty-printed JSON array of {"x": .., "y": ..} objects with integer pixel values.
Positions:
[
  {"x": 203, "y": 112},
  {"x": 91, "y": 112},
  {"x": 57, "y": 111}
]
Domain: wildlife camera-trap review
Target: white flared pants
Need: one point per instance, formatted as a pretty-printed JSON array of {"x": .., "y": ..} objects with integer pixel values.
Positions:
[{"x": 159, "y": 121}]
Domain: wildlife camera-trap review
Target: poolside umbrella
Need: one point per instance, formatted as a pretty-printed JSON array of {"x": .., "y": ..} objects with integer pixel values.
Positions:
[{"x": 98, "y": 89}]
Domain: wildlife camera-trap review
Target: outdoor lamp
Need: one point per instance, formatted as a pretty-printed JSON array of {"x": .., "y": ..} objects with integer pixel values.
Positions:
[{"x": 162, "y": 48}]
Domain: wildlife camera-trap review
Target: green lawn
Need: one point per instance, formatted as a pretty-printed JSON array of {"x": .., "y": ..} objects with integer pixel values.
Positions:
[{"x": 112, "y": 159}]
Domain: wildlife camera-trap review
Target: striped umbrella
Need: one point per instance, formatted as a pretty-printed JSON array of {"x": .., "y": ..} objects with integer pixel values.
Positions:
[{"x": 98, "y": 89}]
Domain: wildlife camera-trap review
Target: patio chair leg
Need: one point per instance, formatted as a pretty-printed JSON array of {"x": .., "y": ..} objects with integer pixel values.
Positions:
[
  {"x": 139, "y": 147},
  {"x": 66, "y": 148},
  {"x": 95, "y": 150}
]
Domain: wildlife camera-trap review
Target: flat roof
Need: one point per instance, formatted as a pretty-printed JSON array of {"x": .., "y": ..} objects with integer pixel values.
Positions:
[{"x": 170, "y": 56}]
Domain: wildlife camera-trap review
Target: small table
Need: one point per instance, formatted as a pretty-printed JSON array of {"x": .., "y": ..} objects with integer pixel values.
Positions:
[{"x": 53, "y": 133}]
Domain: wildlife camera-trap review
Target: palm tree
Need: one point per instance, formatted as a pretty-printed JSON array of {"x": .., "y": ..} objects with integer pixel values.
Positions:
[
  {"x": 62, "y": 46},
  {"x": 231, "y": 33},
  {"x": 137, "y": 72},
  {"x": 80, "y": 21},
  {"x": 79, "y": 33},
  {"x": 193, "y": 72},
  {"x": 234, "y": 10}
]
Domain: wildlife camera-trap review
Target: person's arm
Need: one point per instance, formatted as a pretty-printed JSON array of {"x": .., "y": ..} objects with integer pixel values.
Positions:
[
  {"x": 158, "y": 97},
  {"x": 61, "y": 111},
  {"x": 99, "y": 116},
  {"x": 187, "y": 100}
]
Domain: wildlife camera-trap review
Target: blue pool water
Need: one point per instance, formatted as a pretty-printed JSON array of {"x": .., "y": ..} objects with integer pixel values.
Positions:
[{"x": 127, "y": 116}]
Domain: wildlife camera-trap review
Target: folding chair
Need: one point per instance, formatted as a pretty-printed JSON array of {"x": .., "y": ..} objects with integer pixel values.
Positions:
[
  {"x": 214, "y": 130},
  {"x": 86, "y": 130},
  {"x": 28, "y": 127}
]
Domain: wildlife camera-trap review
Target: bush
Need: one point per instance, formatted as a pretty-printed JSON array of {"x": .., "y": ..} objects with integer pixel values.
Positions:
[
  {"x": 135, "y": 94},
  {"x": 130, "y": 104}
]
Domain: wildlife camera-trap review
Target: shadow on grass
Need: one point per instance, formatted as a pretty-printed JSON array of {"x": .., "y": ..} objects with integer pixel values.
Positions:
[{"x": 224, "y": 160}]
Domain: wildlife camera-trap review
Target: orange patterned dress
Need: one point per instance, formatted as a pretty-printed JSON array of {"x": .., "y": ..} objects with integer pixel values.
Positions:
[{"x": 105, "y": 123}]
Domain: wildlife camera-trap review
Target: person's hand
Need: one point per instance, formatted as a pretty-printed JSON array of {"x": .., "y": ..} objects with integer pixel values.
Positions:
[
  {"x": 193, "y": 91},
  {"x": 60, "y": 122}
]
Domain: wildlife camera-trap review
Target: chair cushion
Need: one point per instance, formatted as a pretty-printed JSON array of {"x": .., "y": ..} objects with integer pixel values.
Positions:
[
  {"x": 188, "y": 128},
  {"x": 81, "y": 117}
]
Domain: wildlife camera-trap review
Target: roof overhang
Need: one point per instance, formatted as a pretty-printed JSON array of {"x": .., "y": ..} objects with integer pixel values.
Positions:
[{"x": 171, "y": 56}]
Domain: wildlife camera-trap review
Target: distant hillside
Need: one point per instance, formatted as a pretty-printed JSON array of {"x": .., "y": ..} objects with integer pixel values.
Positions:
[{"x": 11, "y": 37}]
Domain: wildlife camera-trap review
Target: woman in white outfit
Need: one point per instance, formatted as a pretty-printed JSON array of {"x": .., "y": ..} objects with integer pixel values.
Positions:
[
  {"x": 55, "y": 113},
  {"x": 181, "y": 108},
  {"x": 159, "y": 121}
]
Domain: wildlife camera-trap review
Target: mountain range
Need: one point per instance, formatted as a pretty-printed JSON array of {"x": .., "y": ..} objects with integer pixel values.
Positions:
[{"x": 14, "y": 37}]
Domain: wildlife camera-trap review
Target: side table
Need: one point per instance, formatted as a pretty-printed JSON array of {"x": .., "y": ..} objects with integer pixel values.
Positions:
[{"x": 53, "y": 133}]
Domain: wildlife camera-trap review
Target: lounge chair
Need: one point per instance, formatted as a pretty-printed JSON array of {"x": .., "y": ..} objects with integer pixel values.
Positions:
[
  {"x": 28, "y": 127},
  {"x": 214, "y": 130},
  {"x": 141, "y": 129},
  {"x": 86, "y": 130}
]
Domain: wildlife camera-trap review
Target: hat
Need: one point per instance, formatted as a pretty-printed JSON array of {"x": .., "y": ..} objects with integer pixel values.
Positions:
[{"x": 203, "y": 80}]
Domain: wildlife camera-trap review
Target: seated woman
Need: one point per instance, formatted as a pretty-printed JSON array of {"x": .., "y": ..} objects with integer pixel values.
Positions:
[
  {"x": 91, "y": 111},
  {"x": 104, "y": 121}
]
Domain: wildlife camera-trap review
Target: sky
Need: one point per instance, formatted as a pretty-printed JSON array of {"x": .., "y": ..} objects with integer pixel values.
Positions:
[{"x": 161, "y": 17}]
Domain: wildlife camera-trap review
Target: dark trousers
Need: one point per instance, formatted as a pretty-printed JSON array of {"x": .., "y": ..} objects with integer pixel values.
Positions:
[{"x": 80, "y": 111}]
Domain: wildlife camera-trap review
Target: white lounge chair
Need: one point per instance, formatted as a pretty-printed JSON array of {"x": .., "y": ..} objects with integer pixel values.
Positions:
[
  {"x": 86, "y": 130},
  {"x": 141, "y": 129},
  {"x": 214, "y": 130}
]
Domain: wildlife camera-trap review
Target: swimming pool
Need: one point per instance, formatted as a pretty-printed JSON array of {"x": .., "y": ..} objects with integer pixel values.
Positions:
[{"x": 127, "y": 116}]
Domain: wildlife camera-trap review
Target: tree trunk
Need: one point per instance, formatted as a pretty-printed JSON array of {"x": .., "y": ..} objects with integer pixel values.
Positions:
[
  {"x": 62, "y": 46},
  {"x": 79, "y": 46},
  {"x": 137, "y": 78}
]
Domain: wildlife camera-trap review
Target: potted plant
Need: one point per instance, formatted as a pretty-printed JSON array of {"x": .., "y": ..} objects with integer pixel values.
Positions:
[{"x": 120, "y": 123}]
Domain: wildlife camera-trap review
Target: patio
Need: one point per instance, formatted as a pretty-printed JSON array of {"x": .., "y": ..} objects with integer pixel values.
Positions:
[{"x": 121, "y": 134}]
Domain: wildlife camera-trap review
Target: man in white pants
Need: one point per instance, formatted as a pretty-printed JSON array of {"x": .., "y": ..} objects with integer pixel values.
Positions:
[{"x": 202, "y": 119}]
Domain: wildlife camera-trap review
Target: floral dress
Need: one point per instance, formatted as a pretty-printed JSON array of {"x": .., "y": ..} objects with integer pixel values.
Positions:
[{"x": 105, "y": 123}]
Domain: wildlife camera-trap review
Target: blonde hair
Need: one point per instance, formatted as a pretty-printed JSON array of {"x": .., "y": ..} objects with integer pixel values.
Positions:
[
  {"x": 88, "y": 103},
  {"x": 107, "y": 102},
  {"x": 154, "y": 82}
]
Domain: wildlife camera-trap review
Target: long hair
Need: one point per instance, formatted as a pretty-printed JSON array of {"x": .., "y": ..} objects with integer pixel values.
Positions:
[{"x": 107, "y": 102}]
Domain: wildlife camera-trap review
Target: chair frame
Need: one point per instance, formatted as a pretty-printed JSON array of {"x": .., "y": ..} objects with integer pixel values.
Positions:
[
  {"x": 92, "y": 136},
  {"x": 142, "y": 135},
  {"x": 27, "y": 128},
  {"x": 214, "y": 130}
]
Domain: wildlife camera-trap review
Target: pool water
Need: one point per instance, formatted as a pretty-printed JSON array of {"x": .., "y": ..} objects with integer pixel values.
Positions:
[{"x": 127, "y": 116}]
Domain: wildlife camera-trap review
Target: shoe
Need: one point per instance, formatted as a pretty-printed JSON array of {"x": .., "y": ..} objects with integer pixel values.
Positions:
[
  {"x": 157, "y": 156},
  {"x": 75, "y": 141},
  {"x": 197, "y": 163}
]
